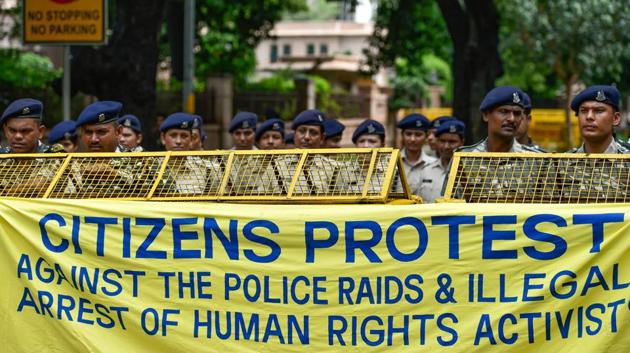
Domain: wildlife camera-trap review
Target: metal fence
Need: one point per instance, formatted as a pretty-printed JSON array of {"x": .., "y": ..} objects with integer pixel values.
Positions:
[
  {"x": 539, "y": 178},
  {"x": 308, "y": 176}
]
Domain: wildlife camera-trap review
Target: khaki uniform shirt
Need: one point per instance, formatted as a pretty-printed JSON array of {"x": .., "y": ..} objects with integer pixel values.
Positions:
[
  {"x": 413, "y": 171},
  {"x": 433, "y": 177}
]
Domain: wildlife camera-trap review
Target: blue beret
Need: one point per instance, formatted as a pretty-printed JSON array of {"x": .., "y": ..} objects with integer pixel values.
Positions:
[
  {"x": 502, "y": 95},
  {"x": 270, "y": 125},
  {"x": 435, "y": 123},
  {"x": 527, "y": 103},
  {"x": 414, "y": 121},
  {"x": 368, "y": 127},
  {"x": 102, "y": 112},
  {"x": 63, "y": 130},
  {"x": 198, "y": 124},
  {"x": 309, "y": 117},
  {"x": 452, "y": 127},
  {"x": 243, "y": 120},
  {"x": 605, "y": 94},
  {"x": 178, "y": 121},
  {"x": 23, "y": 108},
  {"x": 132, "y": 122},
  {"x": 333, "y": 127},
  {"x": 288, "y": 138}
]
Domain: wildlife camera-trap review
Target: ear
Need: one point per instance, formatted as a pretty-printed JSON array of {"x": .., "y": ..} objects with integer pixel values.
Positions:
[
  {"x": 484, "y": 116},
  {"x": 118, "y": 129},
  {"x": 140, "y": 138},
  {"x": 162, "y": 139},
  {"x": 616, "y": 118},
  {"x": 42, "y": 131}
]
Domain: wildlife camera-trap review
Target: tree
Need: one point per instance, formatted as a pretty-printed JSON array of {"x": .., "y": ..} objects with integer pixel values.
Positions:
[
  {"x": 124, "y": 70},
  {"x": 582, "y": 41},
  {"x": 474, "y": 29}
]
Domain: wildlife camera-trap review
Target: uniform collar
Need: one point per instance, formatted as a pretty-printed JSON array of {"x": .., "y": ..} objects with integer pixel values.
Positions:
[
  {"x": 424, "y": 159},
  {"x": 614, "y": 147}
]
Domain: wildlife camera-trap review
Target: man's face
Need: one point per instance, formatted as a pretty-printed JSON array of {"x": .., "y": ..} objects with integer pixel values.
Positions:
[
  {"x": 69, "y": 145},
  {"x": 100, "y": 137},
  {"x": 271, "y": 140},
  {"x": 195, "y": 140},
  {"x": 243, "y": 138},
  {"x": 503, "y": 121},
  {"x": 129, "y": 138},
  {"x": 23, "y": 134},
  {"x": 523, "y": 128},
  {"x": 596, "y": 121},
  {"x": 333, "y": 142},
  {"x": 176, "y": 139},
  {"x": 447, "y": 143},
  {"x": 413, "y": 139},
  {"x": 369, "y": 141},
  {"x": 309, "y": 136},
  {"x": 432, "y": 140}
]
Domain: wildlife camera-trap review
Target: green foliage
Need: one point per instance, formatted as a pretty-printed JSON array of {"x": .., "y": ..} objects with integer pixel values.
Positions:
[
  {"x": 25, "y": 70},
  {"x": 412, "y": 81},
  {"x": 281, "y": 82},
  {"x": 320, "y": 10},
  {"x": 227, "y": 33},
  {"x": 576, "y": 40},
  {"x": 407, "y": 29}
]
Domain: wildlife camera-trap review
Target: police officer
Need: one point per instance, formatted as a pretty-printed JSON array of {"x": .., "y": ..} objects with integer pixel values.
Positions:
[
  {"x": 597, "y": 109},
  {"x": 289, "y": 140},
  {"x": 187, "y": 175},
  {"x": 270, "y": 135},
  {"x": 98, "y": 124},
  {"x": 414, "y": 133},
  {"x": 450, "y": 136},
  {"x": 334, "y": 132},
  {"x": 130, "y": 136},
  {"x": 22, "y": 125},
  {"x": 432, "y": 148},
  {"x": 198, "y": 134},
  {"x": 522, "y": 133},
  {"x": 503, "y": 109},
  {"x": 369, "y": 134},
  {"x": 65, "y": 134},
  {"x": 243, "y": 130}
]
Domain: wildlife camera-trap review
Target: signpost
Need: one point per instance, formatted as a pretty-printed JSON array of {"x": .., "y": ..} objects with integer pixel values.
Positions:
[{"x": 64, "y": 22}]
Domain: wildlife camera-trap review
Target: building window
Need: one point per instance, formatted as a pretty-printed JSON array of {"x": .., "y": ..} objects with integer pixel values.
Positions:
[
  {"x": 323, "y": 49},
  {"x": 310, "y": 49},
  {"x": 273, "y": 55},
  {"x": 286, "y": 50}
]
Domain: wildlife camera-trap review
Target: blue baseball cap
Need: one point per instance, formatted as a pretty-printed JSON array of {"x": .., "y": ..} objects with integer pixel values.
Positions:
[
  {"x": 368, "y": 127},
  {"x": 243, "y": 120},
  {"x": 198, "y": 124},
  {"x": 102, "y": 112},
  {"x": 502, "y": 95},
  {"x": 180, "y": 120},
  {"x": 527, "y": 103},
  {"x": 288, "y": 138},
  {"x": 270, "y": 125},
  {"x": 333, "y": 127},
  {"x": 414, "y": 121},
  {"x": 62, "y": 131},
  {"x": 309, "y": 117},
  {"x": 132, "y": 122},
  {"x": 452, "y": 127},
  {"x": 23, "y": 108},
  {"x": 600, "y": 93}
]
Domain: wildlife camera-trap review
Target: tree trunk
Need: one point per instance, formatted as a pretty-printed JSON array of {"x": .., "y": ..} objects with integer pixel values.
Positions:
[
  {"x": 568, "y": 89},
  {"x": 474, "y": 30},
  {"x": 125, "y": 69}
]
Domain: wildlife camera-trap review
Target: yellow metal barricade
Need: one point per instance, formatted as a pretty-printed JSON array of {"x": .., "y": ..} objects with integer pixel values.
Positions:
[
  {"x": 538, "y": 178},
  {"x": 308, "y": 176}
]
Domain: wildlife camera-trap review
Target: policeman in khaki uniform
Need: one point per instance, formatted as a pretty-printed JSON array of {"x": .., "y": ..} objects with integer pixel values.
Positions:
[
  {"x": 21, "y": 122},
  {"x": 320, "y": 175},
  {"x": 243, "y": 130},
  {"x": 502, "y": 108},
  {"x": 449, "y": 137},
  {"x": 270, "y": 135},
  {"x": 334, "y": 133},
  {"x": 431, "y": 148},
  {"x": 130, "y": 134},
  {"x": 369, "y": 134},
  {"x": 414, "y": 133},
  {"x": 198, "y": 134},
  {"x": 65, "y": 134},
  {"x": 597, "y": 110},
  {"x": 188, "y": 175}
]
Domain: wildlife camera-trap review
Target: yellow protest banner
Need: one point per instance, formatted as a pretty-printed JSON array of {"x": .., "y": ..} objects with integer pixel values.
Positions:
[
  {"x": 64, "y": 21},
  {"x": 111, "y": 276}
]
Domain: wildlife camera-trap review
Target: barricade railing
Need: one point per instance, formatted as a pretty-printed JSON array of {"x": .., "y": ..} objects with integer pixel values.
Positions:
[
  {"x": 308, "y": 176},
  {"x": 556, "y": 178}
]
